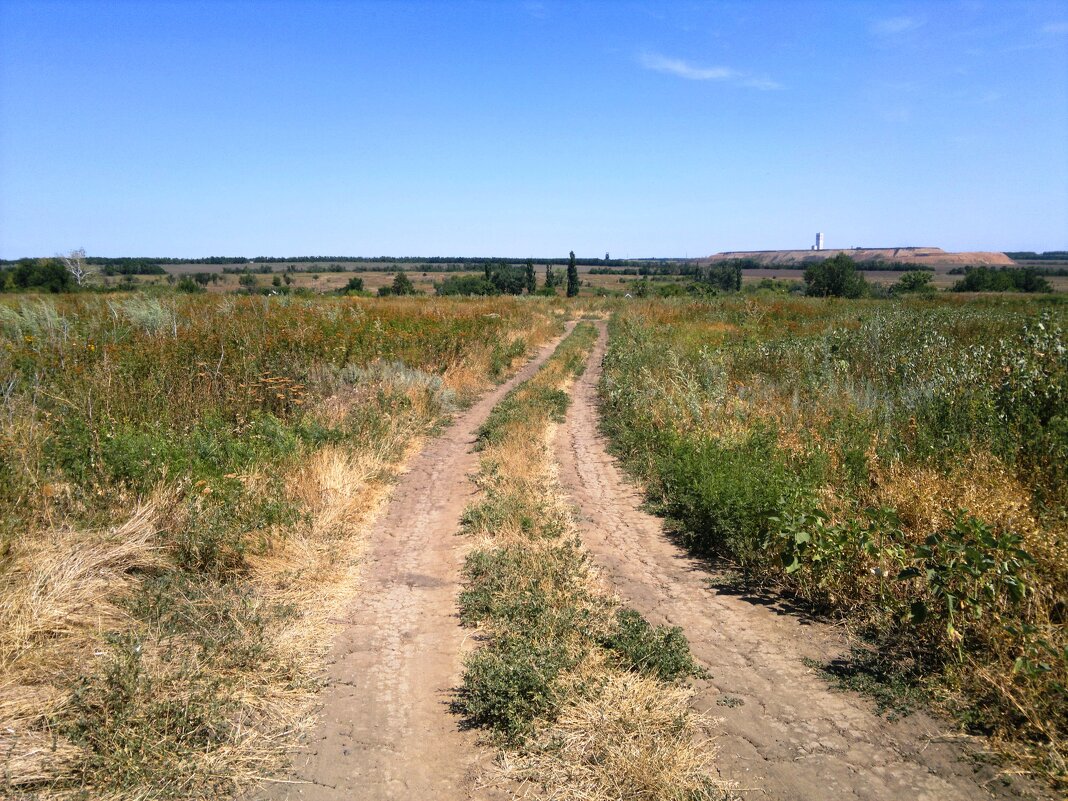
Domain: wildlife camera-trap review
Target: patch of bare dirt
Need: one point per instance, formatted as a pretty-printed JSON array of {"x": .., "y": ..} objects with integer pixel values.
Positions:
[{"x": 786, "y": 734}]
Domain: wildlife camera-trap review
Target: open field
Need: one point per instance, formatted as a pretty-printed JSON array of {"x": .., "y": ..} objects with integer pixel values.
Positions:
[
  {"x": 898, "y": 466},
  {"x": 322, "y": 281},
  {"x": 185, "y": 483},
  {"x": 228, "y": 563}
]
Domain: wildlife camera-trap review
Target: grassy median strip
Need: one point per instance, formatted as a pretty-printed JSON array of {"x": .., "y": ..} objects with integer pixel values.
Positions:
[{"x": 585, "y": 696}]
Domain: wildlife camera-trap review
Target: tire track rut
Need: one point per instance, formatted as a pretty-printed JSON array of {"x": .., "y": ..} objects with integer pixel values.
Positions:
[
  {"x": 385, "y": 731},
  {"x": 786, "y": 734}
]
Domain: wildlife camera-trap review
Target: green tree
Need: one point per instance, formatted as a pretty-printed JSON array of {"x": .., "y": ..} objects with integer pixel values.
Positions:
[
  {"x": 835, "y": 277},
  {"x": 914, "y": 281},
  {"x": 508, "y": 280},
  {"x": 187, "y": 284},
  {"x": 466, "y": 285},
  {"x": 49, "y": 275},
  {"x": 986, "y": 279},
  {"x": 247, "y": 280},
  {"x": 550, "y": 277},
  {"x": 531, "y": 278},
  {"x": 572, "y": 276},
  {"x": 402, "y": 285},
  {"x": 725, "y": 277},
  {"x": 355, "y": 284}
]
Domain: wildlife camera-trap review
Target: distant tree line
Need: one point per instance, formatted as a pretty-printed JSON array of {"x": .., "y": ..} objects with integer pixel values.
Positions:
[
  {"x": 695, "y": 269},
  {"x": 1030, "y": 255},
  {"x": 40, "y": 275},
  {"x": 1004, "y": 279},
  {"x": 344, "y": 263},
  {"x": 1041, "y": 270}
]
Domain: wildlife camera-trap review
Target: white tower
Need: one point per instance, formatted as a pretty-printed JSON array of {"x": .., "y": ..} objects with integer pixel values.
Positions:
[{"x": 819, "y": 241}]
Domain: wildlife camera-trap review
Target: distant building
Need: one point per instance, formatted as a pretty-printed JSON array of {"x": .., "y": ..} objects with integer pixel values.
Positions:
[{"x": 819, "y": 242}]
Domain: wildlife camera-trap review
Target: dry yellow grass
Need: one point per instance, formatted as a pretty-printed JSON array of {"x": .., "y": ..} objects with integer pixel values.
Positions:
[
  {"x": 927, "y": 497},
  {"x": 630, "y": 739},
  {"x": 62, "y": 590}
]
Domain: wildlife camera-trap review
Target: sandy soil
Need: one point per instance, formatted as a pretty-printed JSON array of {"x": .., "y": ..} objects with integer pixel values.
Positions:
[
  {"x": 786, "y": 734},
  {"x": 386, "y": 731}
]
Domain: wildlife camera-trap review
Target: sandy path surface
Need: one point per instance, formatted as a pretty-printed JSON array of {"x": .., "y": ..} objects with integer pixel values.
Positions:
[
  {"x": 386, "y": 731},
  {"x": 786, "y": 734}
]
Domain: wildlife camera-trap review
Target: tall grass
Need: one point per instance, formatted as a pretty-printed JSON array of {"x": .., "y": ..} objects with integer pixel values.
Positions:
[
  {"x": 902, "y": 465},
  {"x": 184, "y": 483}
]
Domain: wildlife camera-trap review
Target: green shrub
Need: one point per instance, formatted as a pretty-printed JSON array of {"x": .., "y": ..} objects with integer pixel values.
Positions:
[
  {"x": 725, "y": 495},
  {"x": 508, "y": 686},
  {"x": 836, "y": 277},
  {"x": 662, "y": 651}
]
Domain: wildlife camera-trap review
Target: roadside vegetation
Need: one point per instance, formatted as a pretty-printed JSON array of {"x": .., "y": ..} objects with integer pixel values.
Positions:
[
  {"x": 899, "y": 465},
  {"x": 184, "y": 481},
  {"x": 584, "y": 696}
]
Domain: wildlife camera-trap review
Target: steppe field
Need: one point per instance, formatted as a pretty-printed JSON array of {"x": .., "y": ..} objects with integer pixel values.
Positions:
[
  {"x": 325, "y": 278},
  {"x": 326, "y": 546}
]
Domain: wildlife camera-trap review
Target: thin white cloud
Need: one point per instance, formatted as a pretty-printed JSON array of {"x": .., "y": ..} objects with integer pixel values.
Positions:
[
  {"x": 893, "y": 26},
  {"x": 1055, "y": 27},
  {"x": 692, "y": 72},
  {"x": 676, "y": 66},
  {"x": 536, "y": 9}
]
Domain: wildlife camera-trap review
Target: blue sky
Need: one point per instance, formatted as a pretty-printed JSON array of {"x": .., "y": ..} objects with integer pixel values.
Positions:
[{"x": 530, "y": 128}]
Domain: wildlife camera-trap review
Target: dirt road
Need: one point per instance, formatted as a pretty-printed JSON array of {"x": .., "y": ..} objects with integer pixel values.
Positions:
[
  {"x": 786, "y": 734},
  {"x": 386, "y": 731}
]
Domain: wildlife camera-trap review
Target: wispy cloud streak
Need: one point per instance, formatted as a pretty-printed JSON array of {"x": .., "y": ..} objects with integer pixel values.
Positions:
[
  {"x": 893, "y": 26},
  {"x": 693, "y": 72}
]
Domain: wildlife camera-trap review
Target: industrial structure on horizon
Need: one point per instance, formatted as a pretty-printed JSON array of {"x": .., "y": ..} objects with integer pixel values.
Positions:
[{"x": 819, "y": 242}]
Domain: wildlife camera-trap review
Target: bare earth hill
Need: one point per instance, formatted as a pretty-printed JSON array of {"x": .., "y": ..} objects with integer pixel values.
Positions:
[{"x": 930, "y": 257}]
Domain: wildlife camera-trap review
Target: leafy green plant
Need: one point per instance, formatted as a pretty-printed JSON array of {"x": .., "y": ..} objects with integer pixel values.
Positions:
[
  {"x": 825, "y": 447},
  {"x": 662, "y": 651},
  {"x": 965, "y": 573}
]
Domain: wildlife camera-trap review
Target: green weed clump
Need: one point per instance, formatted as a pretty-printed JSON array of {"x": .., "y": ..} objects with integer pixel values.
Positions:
[
  {"x": 901, "y": 465},
  {"x": 183, "y": 482},
  {"x": 660, "y": 651}
]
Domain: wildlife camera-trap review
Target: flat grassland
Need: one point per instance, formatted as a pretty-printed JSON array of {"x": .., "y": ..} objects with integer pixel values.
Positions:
[
  {"x": 184, "y": 482},
  {"x": 901, "y": 466},
  {"x": 321, "y": 280}
]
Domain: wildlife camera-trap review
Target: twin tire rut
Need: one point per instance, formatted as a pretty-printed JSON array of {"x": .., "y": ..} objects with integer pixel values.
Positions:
[{"x": 386, "y": 731}]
